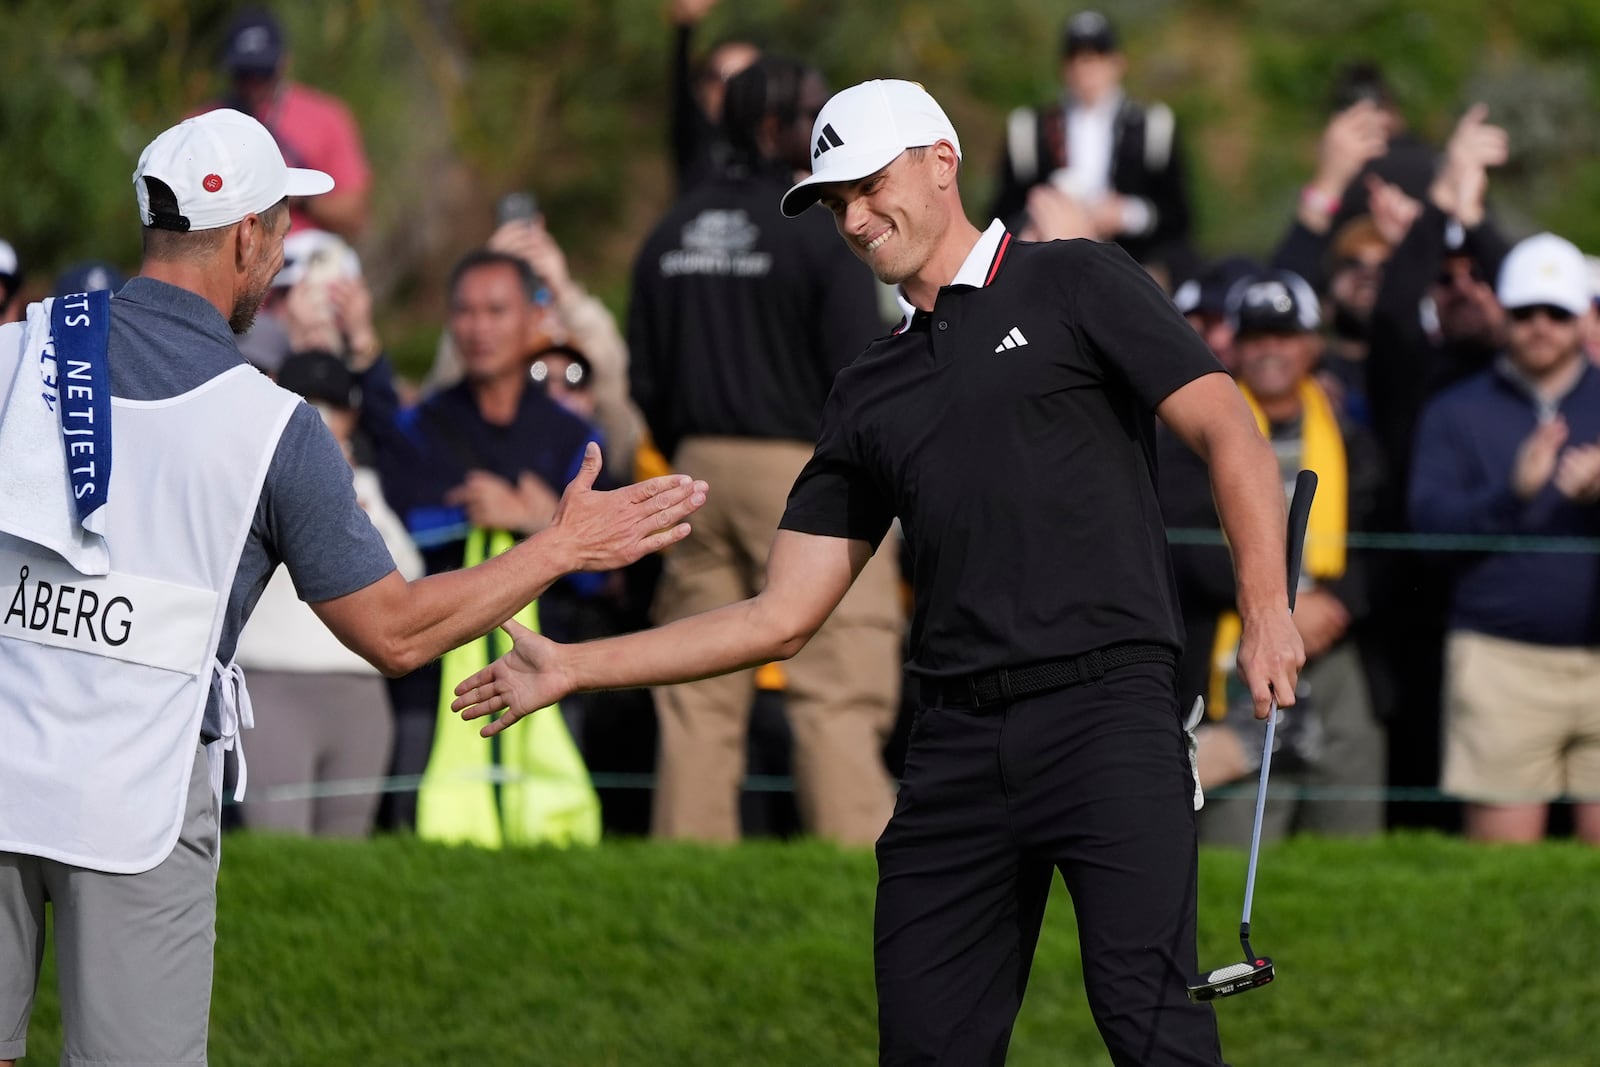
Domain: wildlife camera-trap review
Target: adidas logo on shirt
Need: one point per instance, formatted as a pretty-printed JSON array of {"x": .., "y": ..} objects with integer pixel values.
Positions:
[{"x": 1014, "y": 339}]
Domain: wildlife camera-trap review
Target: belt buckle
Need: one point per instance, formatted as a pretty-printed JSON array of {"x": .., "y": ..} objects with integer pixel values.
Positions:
[
  {"x": 1003, "y": 676},
  {"x": 973, "y": 700}
]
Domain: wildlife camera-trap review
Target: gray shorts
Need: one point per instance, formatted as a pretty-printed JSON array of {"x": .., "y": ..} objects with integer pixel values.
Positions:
[{"x": 133, "y": 951}]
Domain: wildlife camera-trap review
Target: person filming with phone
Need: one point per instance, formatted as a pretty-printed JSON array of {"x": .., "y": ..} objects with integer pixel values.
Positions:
[{"x": 566, "y": 313}]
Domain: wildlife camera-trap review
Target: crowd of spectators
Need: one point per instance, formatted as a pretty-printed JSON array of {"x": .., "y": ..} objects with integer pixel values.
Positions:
[{"x": 1436, "y": 373}]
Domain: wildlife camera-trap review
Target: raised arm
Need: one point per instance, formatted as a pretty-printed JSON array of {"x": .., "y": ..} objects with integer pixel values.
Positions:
[
  {"x": 807, "y": 576},
  {"x": 398, "y": 625},
  {"x": 1211, "y": 417}
]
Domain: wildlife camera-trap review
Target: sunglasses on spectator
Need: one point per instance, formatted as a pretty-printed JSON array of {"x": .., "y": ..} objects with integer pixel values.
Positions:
[{"x": 1549, "y": 311}]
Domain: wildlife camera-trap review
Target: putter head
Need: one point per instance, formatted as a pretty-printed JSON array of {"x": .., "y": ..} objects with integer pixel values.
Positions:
[{"x": 1234, "y": 978}]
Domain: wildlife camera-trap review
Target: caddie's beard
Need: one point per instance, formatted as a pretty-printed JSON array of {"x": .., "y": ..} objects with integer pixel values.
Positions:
[{"x": 245, "y": 308}]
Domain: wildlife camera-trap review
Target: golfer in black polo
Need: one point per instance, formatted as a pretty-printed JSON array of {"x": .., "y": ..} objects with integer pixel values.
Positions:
[{"x": 1008, "y": 422}]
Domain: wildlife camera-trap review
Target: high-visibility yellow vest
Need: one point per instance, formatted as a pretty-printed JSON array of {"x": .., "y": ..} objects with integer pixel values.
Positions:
[{"x": 545, "y": 796}]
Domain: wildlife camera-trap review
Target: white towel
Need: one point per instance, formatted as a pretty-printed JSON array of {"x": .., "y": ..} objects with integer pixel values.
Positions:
[{"x": 36, "y": 502}]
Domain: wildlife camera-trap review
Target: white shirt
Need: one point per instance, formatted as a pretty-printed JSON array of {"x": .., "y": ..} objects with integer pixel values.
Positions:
[{"x": 1091, "y": 134}]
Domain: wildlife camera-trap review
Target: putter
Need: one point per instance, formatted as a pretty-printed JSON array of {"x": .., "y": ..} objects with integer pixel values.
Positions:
[{"x": 1258, "y": 970}]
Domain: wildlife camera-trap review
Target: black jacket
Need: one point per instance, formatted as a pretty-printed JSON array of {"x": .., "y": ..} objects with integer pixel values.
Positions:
[{"x": 740, "y": 318}]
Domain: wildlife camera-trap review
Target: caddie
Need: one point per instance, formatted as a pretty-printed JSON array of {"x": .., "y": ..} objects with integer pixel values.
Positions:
[{"x": 150, "y": 482}]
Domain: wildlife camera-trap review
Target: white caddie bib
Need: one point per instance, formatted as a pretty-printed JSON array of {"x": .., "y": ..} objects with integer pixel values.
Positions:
[
  {"x": 120, "y": 616},
  {"x": 104, "y": 679}
]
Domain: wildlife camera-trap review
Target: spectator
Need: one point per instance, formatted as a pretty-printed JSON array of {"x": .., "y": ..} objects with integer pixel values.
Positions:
[
  {"x": 1514, "y": 450},
  {"x": 1358, "y": 254},
  {"x": 1435, "y": 322},
  {"x": 1203, "y": 300},
  {"x": 565, "y": 313},
  {"x": 1331, "y": 737},
  {"x": 1435, "y": 319},
  {"x": 322, "y": 712},
  {"x": 312, "y": 128},
  {"x": 298, "y": 313},
  {"x": 1120, "y": 162},
  {"x": 1405, "y": 162},
  {"x": 11, "y": 279},
  {"x": 470, "y": 469},
  {"x": 698, "y": 149},
  {"x": 739, "y": 321},
  {"x": 89, "y": 276},
  {"x": 566, "y": 375},
  {"x": 1355, "y": 136},
  {"x": 1591, "y": 323},
  {"x": 581, "y": 321}
]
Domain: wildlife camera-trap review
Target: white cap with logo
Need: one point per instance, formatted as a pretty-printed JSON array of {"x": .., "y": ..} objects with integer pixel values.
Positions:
[
  {"x": 213, "y": 170},
  {"x": 863, "y": 129},
  {"x": 1545, "y": 269}
]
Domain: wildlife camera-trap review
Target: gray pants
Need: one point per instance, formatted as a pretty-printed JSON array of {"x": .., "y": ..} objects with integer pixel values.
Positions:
[
  {"x": 133, "y": 951},
  {"x": 1352, "y": 755},
  {"x": 313, "y": 728}
]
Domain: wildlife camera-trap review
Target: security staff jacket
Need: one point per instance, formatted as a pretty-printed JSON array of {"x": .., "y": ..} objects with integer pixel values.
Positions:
[
  {"x": 740, "y": 317},
  {"x": 1012, "y": 431},
  {"x": 1146, "y": 162}
]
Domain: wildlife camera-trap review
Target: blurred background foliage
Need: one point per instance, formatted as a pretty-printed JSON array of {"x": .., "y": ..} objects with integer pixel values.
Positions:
[{"x": 462, "y": 100}]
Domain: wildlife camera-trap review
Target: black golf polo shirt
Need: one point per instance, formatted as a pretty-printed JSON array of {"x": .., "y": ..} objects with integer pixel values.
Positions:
[{"x": 1012, "y": 432}]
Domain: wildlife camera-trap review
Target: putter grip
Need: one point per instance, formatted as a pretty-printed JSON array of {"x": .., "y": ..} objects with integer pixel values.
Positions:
[{"x": 1305, "y": 487}]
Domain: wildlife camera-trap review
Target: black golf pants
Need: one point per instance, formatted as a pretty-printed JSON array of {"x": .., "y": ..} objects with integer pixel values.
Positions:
[{"x": 1092, "y": 780}]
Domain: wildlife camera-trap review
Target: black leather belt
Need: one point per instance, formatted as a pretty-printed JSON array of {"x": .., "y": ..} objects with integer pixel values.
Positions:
[{"x": 1008, "y": 684}]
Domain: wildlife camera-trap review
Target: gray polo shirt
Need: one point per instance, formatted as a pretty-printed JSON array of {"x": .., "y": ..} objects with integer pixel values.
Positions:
[{"x": 166, "y": 341}]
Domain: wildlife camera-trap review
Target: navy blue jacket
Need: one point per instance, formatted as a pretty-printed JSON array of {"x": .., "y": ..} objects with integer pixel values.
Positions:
[
  {"x": 423, "y": 452},
  {"x": 1466, "y": 444}
]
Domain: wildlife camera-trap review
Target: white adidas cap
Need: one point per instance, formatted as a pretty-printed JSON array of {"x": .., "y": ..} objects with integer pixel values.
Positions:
[
  {"x": 863, "y": 129},
  {"x": 213, "y": 170},
  {"x": 1545, "y": 269}
]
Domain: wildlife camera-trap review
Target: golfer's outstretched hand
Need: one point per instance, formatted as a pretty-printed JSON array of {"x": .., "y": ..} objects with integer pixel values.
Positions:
[
  {"x": 519, "y": 683},
  {"x": 612, "y": 529},
  {"x": 1270, "y": 657}
]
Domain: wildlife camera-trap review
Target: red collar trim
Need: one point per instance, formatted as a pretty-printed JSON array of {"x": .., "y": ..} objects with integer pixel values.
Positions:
[{"x": 999, "y": 254}]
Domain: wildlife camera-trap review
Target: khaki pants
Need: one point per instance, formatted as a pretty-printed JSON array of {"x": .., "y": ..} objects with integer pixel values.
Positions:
[
  {"x": 1522, "y": 721},
  {"x": 843, "y": 687}
]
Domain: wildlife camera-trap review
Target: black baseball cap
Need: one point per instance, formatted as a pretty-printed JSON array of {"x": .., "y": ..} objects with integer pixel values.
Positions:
[
  {"x": 254, "y": 44},
  {"x": 1208, "y": 293},
  {"x": 1088, "y": 31},
  {"x": 320, "y": 376},
  {"x": 1272, "y": 301}
]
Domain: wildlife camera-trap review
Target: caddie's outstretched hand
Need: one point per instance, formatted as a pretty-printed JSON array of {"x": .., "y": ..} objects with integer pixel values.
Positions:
[
  {"x": 614, "y": 528},
  {"x": 519, "y": 683}
]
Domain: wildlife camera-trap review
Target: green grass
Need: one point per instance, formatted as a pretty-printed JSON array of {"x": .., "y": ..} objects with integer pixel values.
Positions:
[{"x": 1409, "y": 950}]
